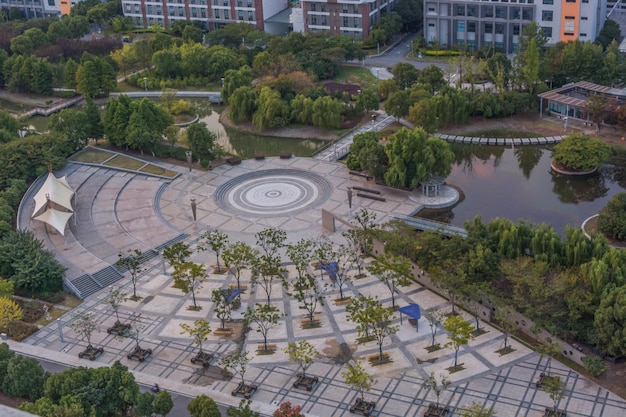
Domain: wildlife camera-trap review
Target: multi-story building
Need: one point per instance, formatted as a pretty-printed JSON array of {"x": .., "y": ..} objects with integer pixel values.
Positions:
[
  {"x": 353, "y": 18},
  {"x": 499, "y": 23},
  {"x": 213, "y": 14},
  {"x": 35, "y": 9}
]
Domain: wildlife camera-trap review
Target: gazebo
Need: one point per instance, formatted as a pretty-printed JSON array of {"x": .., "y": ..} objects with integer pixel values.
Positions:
[
  {"x": 432, "y": 187},
  {"x": 53, "y": 203}
]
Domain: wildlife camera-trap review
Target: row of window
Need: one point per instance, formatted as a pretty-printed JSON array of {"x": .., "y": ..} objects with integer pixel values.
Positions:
[
  {"x": 488, "y": 28},
  {"x": 548, "y": 15},
  {"x": 354, "y": 22},
  {"x": 324, "y": 7},
  {"x": 499, "y": 12}
]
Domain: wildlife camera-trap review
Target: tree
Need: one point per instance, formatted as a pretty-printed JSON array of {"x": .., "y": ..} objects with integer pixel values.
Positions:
[
  {"x": 414, "y": 157},
  {"x": 145, "y": 404},
  {"x": 610, "y": 321},
  {"x": 505, "y": 317},
  {"x": 449, "y": 277},
  {"x": 343, "y": 263},
  {"x": 85, "y": 325},
  {"x": 434, "y": 318},
  {"x": 125, "y": 58},
  {"x": 366, "y": 226},
  {"x": 201, "y": 140},
  {"x": 354, "y": 247},
  {"x": 302, "y": 354},
  {"x": 199, "y": 331},
  {"x": 137, "y": 325},
  {"x": 326, "y": 113},
  {"x": 216, "y": 241},
  {"x": 610, "y": 32},
  {"x": 73, "y": 125},
  {"x": 95, "y": 128},
  {"x": 437, "y": 385},
  {"x": 612, "y": 218},
  {"x": 6, "y": 288},
  {"x": 242, "y": 104},
  {"x": 411, "y": 13},
  {"x": 477, "y": 410},
  {"x": 10, "y": 311},
  {"x": 237, "y": 257},
  {"x": 177, "y": 253},
  {"x": 115, "y": 298},
  {"x": 579, "y": 152},
  {"x": 188, "y": 277},
  {"x": 236, "y": 362},
  {"x": 24, "y": 378},
  {"x": 432, "y": 76},
  {"x": 243, "y": 410},
  {"x": 405, "y": 74},
  {"x": 271, "y": 110},
  {"x": 95, "y": 77},
  {"x": 378, "y": 319},
  {"x": 264, "y": 318},
  {"x": 132, "y": 263},
  {"x": 265, "y": 270},
  {"x": 529, "y": 71},
  {"x": 367, "y": 100},
  {"x": 222, "y": 305},
  {"x": 287, "y": 410},
  {"x": 305, "y": 287},
  {"x": 397, "y": 105},
  {"x": 358, "y": 378},
  {"x": 146, "y": 125},
  {"x": 557, "y": 390},
  {"x": 393, "y": 271},
  {"x": 459, "y": 334},
  {"x": 474, "y": 294},
  {"x": 203, "y": 406}
]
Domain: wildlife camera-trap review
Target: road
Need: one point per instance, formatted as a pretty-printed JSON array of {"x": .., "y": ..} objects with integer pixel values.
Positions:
[{"x": 398, "y": 53}]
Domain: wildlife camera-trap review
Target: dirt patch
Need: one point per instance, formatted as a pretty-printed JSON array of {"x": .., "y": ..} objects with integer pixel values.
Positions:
[{"x": 340, "y": 354}]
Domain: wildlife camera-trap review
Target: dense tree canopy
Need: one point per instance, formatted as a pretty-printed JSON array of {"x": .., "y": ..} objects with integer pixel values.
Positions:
[
  {"x": 612, "y": 218},
  {"x": 578, "y": 151}
]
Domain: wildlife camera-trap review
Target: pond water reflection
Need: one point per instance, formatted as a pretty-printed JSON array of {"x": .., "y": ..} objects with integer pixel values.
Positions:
[{"x": 519, "y": 184}]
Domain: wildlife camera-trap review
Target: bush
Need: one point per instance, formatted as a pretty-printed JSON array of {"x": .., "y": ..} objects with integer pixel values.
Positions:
[
  {"x": 578, "y": 151},
  {"x": 612, "y": 218},
  {"x": 19, "y": 330},
  {"x": 204, "y": 163},
  {"x": 594, "y": 364}
]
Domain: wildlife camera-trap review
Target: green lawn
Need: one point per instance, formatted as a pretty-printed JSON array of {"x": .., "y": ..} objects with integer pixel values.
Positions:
[
  {"x": 92, "y": 156},
  {"x": 355, "y": 75}
]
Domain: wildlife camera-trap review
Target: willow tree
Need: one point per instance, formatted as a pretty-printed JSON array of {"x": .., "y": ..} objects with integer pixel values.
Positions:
[{"x": 414, "y": 157}]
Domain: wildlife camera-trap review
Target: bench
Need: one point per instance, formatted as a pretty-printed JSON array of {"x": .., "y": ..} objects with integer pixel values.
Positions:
[
  {"x": 360, "y": 174},
  {"x": 365, "y": 190},
  {"x": 259, "y": 156},
  {"x": 270, "y": 346},
  {"x": 233, "y": 160},
  {"x": 371, "y": 196},
  {"x": 285, "y": 155}
]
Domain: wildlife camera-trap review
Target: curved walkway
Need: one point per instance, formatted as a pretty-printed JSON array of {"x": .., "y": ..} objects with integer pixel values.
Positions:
[
  {"x": 504, "y": 382},
  {"x": 548, "y": 140}
]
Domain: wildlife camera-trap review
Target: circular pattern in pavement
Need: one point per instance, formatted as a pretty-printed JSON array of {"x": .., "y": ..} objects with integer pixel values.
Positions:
[{"x": 273, "y": 192}]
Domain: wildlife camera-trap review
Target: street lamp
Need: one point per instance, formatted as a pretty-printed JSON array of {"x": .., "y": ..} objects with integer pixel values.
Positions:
[
  {"x": 188, "y": 155},
  {"x": 436, "y": 123},
  {"x": 145, "y": 83},
  {"x": 222, "y": 83},
  {"x": 565, "y": 124}
]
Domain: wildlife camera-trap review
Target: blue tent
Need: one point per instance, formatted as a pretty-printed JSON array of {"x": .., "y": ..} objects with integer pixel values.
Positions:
[{"x": 413, "y": 311}]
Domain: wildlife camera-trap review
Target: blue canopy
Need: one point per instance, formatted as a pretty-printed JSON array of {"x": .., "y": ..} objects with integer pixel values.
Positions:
[
  {"x": 412, "y": 310},
  {"x": 233, "y": 294},
  {"x": 330, "y": 267}
]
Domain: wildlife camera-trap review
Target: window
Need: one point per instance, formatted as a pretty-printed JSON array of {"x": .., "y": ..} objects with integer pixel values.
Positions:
[
  {"x": 345, "y": 21},
  {"x": 217, "y": 13},
  {"x": 249, "y": 3},
  {"x": 500, "y": 12},
  {"x": 357, "y": 22},
  {"x": 51, "y": 3},
  {"x": 225, "y": 2},
  {"x": 181, "y": 11},
  {"x": 570, "y": 1},
  {"x": 149, "y": 9},
  {"x": 239, "y": 3},
  {"x": 216, "y": 2},
  {"x": 324, "y": 23},
  {"x": 459, "y": 10},
  {"x": 171, "y": 10},
  {"x": 516, "y": 30},
  {"x": 583, "y": 18},
  {"x": 159, "y": 9},
  {"x": 514, "y": 13},
  {"x": 203, "y": 13},
  {"x": 487, "y": 11},
  {"x": 226, "y": 15},
  {"x": 250, "y": 15},
  {"x": 472, "y": 10},
  {"x": 548, "y": 1},
  {"x": 569, "y": 26},
  {"x": 585, "y": 1},
  {"x": 127, "y": 8},
  {"x": 240, "y": 14},
  {"x": 313, "y": 7},
  {"x": 547, "y": 15},
  {"x": 568, "y": 34},
  {"x": 488, "y": 27},
  {"x": 569, "y": 18},
  {"x": 471, "y": 27},
  {"x": 460, "y": 27},
  {"x": 583, "y": 35},
  {"x": 323, "y": 7},
  {"x": 314, "y": 20},
  {"x": 527, "y": 13},
  {"x": 499, "y": 28},
  {"x": 344, "y": 8}
]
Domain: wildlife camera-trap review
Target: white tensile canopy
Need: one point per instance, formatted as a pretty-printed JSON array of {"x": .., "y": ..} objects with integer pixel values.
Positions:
[
  {"x": 55, "y": 218},
  {"x": 53, "y": 202}
]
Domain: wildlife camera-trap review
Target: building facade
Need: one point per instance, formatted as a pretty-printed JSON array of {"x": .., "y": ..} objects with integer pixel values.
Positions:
[
  {"x": 354, "y": 18},
  {"x": 499, "y": 23},
  {"x": 214, "y": 14},
  {"x": 36, "y": 9}
]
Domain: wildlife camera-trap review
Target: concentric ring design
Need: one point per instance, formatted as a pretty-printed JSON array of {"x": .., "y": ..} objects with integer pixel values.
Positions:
[{"x": 273, "y": 192}]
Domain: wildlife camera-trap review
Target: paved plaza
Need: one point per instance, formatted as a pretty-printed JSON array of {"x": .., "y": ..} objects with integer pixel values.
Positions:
[{"x": 117, "y": 211}]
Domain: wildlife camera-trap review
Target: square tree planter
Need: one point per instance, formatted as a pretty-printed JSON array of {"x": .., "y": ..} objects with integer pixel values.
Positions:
[
  {"x": 244, "y": 390},
  {"x": 434, "y": 411},
  {"x": 118, "y": 329},
  {"x": 363, "y": 407},
  {"x": 307, "y": 382},
  {"x": 203, "y": 358},
  {"x": 91, "y": 353},
  {"x": 551, "y": 413},
  {"x": 139, "y": 354}
]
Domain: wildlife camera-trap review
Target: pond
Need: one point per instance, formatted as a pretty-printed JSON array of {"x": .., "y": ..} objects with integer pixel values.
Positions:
[
  {"x": 244, "y": 144},
  {"x": 519, "y": 184}
]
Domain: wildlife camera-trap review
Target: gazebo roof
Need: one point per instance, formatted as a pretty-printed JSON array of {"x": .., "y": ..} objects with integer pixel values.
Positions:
[
  {"x": 54, "y": 190},
  {"x": 577, "y": 94},
  {"x": 55, "y": 218}
]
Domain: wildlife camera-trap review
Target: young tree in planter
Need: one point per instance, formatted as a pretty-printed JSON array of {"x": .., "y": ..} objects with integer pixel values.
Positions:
[
  {"x": 177, "y": 253},
  {"x": 344, "y": 261},
  {"x": 459, "y": 334},
  {"x": 137, "y": 325},
  {"x": 393, "y": 271},
  {"x": 448, "y": 276},
  {"x": 215, "y": 241},
  {"x": 188, "y": 278},
  {"x": 477, "y": 410},
  {"x": 378, "y": 319},
  {"x": 505, "y": 317},
  {"x": 306, "y": 289},
  {"x": 435, "y": 318},
  {"x": 243, "y": 410},
  {"x": 472, "y": 294},
  {"x": 222, "y": 307},
  {"x": 557, "y": 390},
  {"x": 366, "y": 227},
  {"x": 438, "y": 386},
  {"x": 265, "y": 270},
  {"x": 302, "y": 354},
  {"x": 264, "y": 319},
  {"x": 85, "y": 325},
  {"x": 287, "y": 410},
  {"x": 114, "y": 299},
  {"x": 236, "y": 362},
  {"x": 354, "y": 245},
  {"x": 358, "y": 378},
  {"x": 238, "y": 256},
  {"x": 132, "y": 263},
  {"x": 270, "y": 241},
  {"x": 199, "y": 332},
  {"x": 323, "y": 248}
]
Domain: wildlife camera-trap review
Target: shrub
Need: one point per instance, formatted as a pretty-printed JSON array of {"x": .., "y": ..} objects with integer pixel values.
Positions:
[
  {"x": 578, "y": 151},
  {"x": 204, "y": 163},
  {"x": 594, "y": 364},
  {"x": 19, "y": 330},
  {"x": 612, "y": 218}
]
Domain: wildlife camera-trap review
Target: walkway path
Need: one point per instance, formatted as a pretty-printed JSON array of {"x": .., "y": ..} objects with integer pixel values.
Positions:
[{"x": 235, "y": 200}]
